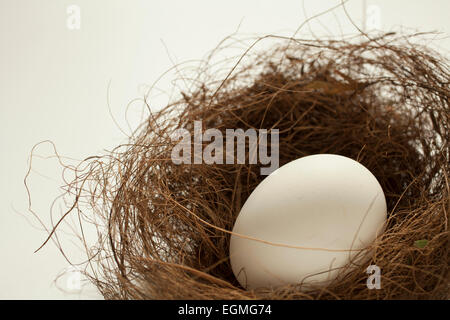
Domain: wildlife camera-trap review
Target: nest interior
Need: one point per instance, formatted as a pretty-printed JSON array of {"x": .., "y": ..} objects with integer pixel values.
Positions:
[{"x": 383, "y": 102}]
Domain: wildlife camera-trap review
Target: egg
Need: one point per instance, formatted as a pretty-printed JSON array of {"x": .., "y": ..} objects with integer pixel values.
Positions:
[{"x": 305, "y": 221}]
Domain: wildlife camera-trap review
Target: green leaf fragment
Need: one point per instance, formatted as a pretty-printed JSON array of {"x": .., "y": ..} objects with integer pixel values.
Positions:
[{"x": 420, "y": 243}]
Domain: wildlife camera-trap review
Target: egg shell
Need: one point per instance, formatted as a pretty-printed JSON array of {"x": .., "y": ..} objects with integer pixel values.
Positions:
[{"x": 321, "y": 201}]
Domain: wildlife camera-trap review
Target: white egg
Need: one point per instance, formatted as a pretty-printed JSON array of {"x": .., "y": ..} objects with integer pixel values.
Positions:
[{"x": 323, "y": 203}]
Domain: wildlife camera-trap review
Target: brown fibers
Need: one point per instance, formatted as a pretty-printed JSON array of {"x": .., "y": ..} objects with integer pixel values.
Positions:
[{"x": 384, "y": 102}]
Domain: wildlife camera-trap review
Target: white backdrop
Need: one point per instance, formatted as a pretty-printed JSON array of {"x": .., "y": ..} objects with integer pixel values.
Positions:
[{"x": 54, "y": 80}]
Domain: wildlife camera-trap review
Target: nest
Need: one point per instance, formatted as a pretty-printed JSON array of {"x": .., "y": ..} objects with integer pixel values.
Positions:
[{"x": 383, "y": 102}]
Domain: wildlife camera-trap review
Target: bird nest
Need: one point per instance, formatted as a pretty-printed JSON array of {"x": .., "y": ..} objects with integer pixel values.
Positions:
[{"x": 383, "y": 102}]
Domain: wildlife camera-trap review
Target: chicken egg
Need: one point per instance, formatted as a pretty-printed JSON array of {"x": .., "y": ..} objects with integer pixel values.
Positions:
[{"x": 305, "y": 221}]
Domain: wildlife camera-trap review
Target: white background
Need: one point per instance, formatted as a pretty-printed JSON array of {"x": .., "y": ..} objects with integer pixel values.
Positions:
[{"x": 53, "y": 85}]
